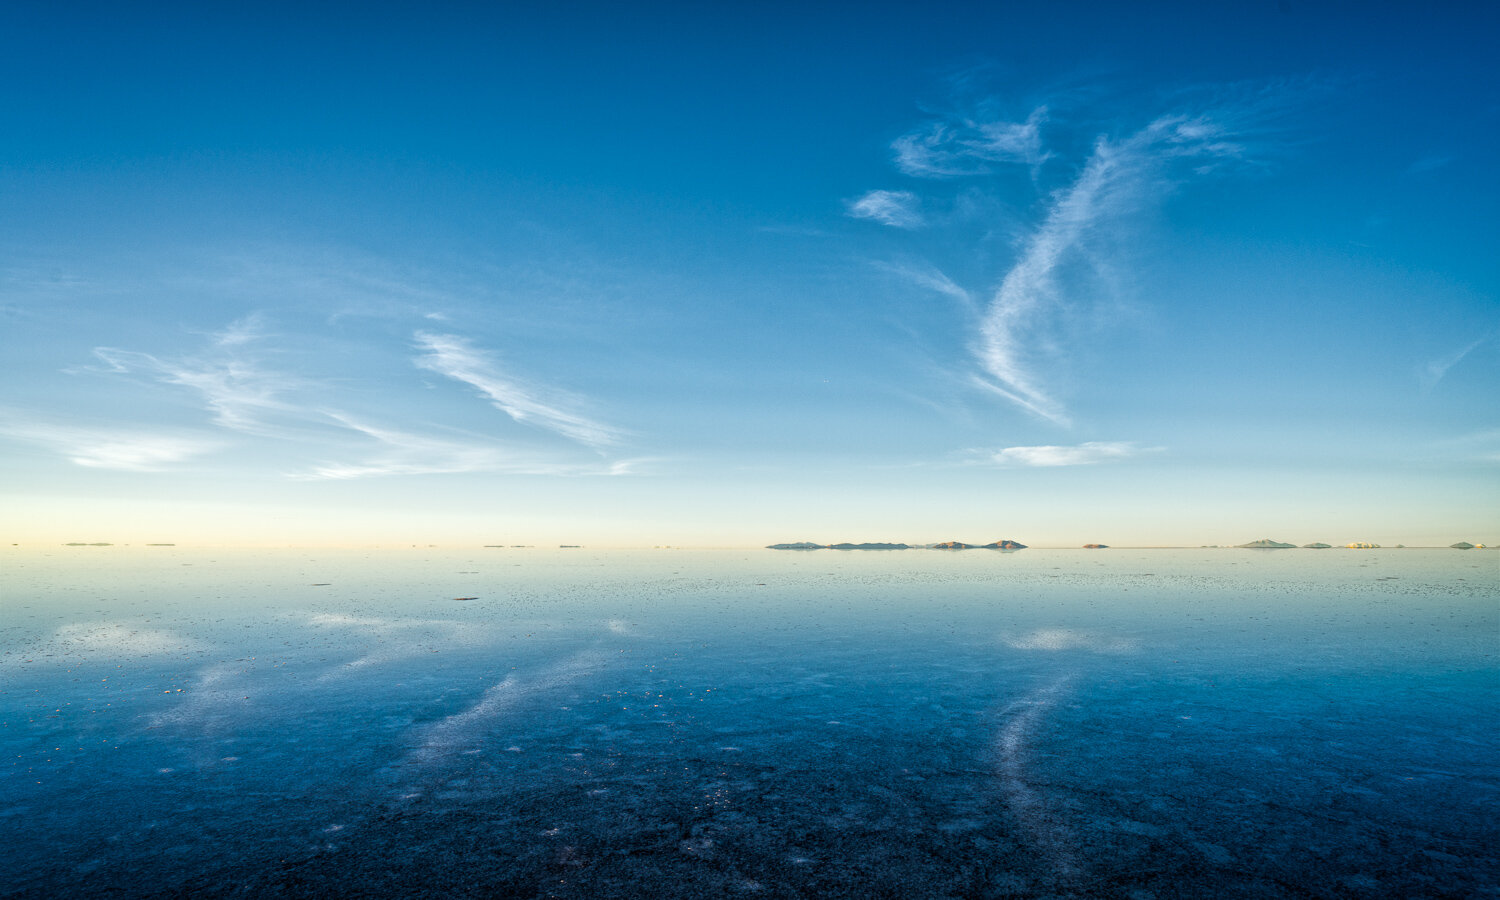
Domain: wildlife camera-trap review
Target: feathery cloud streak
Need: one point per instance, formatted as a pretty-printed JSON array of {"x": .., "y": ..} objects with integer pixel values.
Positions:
[
  {"x": 930, "y": 277},
  {"x": 897, "y": 209},
  {"x": 965, "y": 145},
  {"x": 403, "y": 453},
  {"x": 1434, "y": 371},
  {"x": 1117, "y": 177},
  {"x": 1086, "y": 454},
  {"x": 304, "y": 427},
  {"x": 111, "y": 448},
  {"x": 233, "y": 386},
  {"x": 1017, "y": 340},
  {"x": 454, "y": 357}
]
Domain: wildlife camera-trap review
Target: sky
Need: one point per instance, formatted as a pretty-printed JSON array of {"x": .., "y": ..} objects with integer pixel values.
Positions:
[{"x": 673, "y": 274}]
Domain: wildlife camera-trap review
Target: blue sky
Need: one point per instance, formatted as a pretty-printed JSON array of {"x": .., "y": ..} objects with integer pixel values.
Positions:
[{"x": 1060, "y": 273}]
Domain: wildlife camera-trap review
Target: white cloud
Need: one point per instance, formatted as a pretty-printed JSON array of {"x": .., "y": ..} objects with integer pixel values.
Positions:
[
  {"x": 245, "y": 396},
  {"x": 1434, "y": 371},
  {"x": 242, "y": 331},
  {"x": 970, "y": 146},
  {"x": 1117, "y": 178},
  {"x": 139, "y": 453},
  {"x": 454, "y": 357},
  {"x": 1112, "y": 183},
  {"x": 111, "y": 448},
  {"x": 403, "y": 453},
  {"x": 1069, "y": 259},
  {"x": 1086, "y": 454},
  {"x": 899, "y": 209},
  {"x": 931, "y": 278},
  {"x": 232, "y": 384}
]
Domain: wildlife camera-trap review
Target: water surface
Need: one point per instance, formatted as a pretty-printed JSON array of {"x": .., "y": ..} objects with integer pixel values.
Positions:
[{"x": 511, "y": 722}]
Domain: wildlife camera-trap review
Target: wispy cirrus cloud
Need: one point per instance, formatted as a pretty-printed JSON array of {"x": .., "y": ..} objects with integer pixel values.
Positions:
[
  {"x": 306, "y": 420},
  {"x": 898, "y": 209},
  {"x": 118, "y": 448},
  {"x": 1090, "y": 179},
  {"x": 403, "y": 453},
  {"x": 1085, "y": 454},
  {"x": 457, "y": 358},
  {"x": 930, "y": 277},
  {"x": 1118, "y": 177},
  {"x": 232, "y": 383},
  {"x": 1434, "y": 371},
  {"x": 975, "y": 144},
  {"x": 400, "y": 452}
]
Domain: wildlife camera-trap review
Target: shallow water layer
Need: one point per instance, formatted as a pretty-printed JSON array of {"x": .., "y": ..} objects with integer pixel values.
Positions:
[{"x": 509, "y": 722}]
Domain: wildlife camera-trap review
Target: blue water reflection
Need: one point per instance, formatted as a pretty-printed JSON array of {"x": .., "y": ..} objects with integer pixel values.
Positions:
[{"x": 676, "y": 724}]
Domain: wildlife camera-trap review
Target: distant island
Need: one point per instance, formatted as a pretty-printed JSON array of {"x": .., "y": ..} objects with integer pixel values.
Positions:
[
  {"x": 1004, "y": 544},
  {"x": 870, "y": 546},
  {"x": 809, "y": 545},
  {"x": 1008, "y": 544}
]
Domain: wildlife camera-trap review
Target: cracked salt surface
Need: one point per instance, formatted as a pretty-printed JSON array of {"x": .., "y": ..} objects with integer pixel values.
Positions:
[{"x": 1039, "y": 724}]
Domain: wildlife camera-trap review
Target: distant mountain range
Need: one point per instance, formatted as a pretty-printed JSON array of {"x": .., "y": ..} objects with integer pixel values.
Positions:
[
  {"x": 1007, "y": 544},
  {"x": 869, "y": 546},
  {"x": 809, "y": 545},
  {"x": 946, "y": 545}
]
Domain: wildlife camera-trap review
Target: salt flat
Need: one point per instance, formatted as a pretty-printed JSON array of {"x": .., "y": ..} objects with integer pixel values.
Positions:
[{"x": 509, "y": 722}]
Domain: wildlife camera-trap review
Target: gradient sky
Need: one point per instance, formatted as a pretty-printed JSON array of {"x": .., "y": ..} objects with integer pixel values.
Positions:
[{"x": 641, "y": 274}]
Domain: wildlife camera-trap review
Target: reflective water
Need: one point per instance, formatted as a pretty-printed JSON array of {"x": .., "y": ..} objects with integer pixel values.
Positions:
[{"x": 507, "y": 722}]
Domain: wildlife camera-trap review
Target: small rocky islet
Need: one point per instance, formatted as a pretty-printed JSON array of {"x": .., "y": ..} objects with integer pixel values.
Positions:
[{"x": 1266, "y": 544}]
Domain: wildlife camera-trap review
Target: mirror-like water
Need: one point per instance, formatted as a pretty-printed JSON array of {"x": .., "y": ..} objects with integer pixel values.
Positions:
[{"x": 509, "y": 722}]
